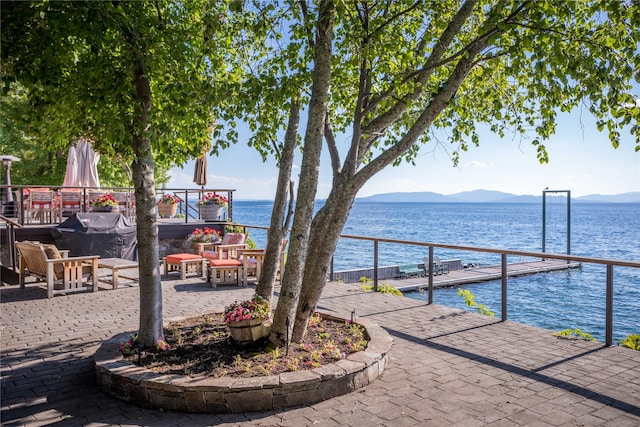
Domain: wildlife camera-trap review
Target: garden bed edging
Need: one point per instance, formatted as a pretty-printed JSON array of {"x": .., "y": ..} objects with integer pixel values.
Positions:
[{"x": 181, "y": 393}]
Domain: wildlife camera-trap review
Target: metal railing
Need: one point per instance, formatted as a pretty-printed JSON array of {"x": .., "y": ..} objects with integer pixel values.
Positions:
[
  {"x": 16, "y": 210},
  {"x": 609, "y": 263}
]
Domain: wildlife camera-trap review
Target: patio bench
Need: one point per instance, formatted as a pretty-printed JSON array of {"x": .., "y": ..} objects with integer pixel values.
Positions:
[{"x": 409, "y": 270}]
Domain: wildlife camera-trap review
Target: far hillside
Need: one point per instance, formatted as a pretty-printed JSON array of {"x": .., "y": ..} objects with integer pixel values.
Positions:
[{"x": 487, "y": 196}]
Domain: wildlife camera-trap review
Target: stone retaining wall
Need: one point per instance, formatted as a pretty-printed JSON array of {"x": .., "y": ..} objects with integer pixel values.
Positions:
[{"x": 181, "y": 393}]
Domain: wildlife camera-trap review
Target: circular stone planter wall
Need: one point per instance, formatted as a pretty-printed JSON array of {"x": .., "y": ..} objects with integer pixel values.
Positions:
[{"x": 139, "y": 385}]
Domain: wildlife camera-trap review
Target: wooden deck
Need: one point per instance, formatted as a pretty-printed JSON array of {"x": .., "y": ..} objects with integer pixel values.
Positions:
[{"x": 479, "y": 274}]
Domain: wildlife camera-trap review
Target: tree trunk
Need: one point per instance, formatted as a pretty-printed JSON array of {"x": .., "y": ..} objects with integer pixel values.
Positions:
[
  {"x": 328, "y": 223},
  {"x": 146, "y": 226},
  {"x": 292, "y": 280},
  {"x": 280, "y": 217},
  {"x": 325, "y": 233}
]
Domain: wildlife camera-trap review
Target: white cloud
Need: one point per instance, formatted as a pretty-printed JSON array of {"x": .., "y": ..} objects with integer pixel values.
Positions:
[{"x": 475, "y": 164}]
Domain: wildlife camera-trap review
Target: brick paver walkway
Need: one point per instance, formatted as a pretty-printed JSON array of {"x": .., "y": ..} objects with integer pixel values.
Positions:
[{"x": 447, "y": 367}]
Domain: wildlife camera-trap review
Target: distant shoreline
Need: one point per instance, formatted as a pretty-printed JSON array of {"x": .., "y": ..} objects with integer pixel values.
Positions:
[{"x": 485, "y": 196}]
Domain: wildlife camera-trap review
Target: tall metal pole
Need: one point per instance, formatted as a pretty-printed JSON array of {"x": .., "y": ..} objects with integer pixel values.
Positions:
[
  {"x": 544, "y": 220},
  {"x": 568, "y": 223}
]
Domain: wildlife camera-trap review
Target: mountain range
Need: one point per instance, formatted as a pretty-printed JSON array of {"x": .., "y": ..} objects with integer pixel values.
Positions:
[{"x": 487, "y": 196}]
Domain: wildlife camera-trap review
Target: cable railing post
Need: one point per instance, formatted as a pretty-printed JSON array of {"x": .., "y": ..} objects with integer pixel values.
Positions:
[
  {"x": 331, "y": 270},
  {"x": 430, "y": 270},
  {"x": 609, "y": 308},
  {"x": 186, "y": 206},
  {"x": 504, "y": 286},
  {"x": 375, "y": 266}
]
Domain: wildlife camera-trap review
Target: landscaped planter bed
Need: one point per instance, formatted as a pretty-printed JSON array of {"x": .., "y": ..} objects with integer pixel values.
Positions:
[{"x": 129, "y": 382}]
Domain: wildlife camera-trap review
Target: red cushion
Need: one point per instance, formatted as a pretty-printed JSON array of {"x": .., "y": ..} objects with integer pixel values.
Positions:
[
  {"x": 176, "y": 258},
  {"x": 224, "y": 262},
  {"x": 213, "y": 255}
]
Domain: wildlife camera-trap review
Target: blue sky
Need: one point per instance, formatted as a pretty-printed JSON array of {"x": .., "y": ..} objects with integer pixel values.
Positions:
[{"x": 581, "y": 160}]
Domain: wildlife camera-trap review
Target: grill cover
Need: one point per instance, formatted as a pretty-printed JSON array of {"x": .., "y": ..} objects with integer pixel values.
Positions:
[{"x": 109, "y": 235}]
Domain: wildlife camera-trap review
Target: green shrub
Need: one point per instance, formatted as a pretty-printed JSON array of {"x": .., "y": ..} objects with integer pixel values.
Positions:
[
  {"x": 469, "y": 299},
  {"x": 574, "y": 333},
  {"x": 631, "y": 341},
  {"x": 367, "y": 285}
]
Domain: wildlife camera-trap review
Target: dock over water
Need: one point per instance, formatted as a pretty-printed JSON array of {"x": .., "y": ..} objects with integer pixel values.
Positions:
[{"x": 480, "y": 274}]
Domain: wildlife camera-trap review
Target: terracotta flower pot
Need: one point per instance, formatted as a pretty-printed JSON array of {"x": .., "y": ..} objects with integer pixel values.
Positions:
[{"x": 166, "y": 210}]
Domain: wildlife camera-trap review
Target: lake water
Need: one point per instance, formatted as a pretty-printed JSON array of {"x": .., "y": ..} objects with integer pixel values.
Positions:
[{"x": 560, "y": 300}]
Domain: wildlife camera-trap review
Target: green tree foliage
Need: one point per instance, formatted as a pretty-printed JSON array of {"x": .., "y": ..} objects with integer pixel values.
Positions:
[
  {"x": 402, "y": 74},
  {"x": 131, "y": 76}
]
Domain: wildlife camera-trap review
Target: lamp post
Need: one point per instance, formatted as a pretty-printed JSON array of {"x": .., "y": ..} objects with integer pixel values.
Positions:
[{"x": 7, "y": 194}]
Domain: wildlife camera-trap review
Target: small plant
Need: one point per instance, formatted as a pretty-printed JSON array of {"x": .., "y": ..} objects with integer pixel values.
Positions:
[
  {"x": 574, "y": 333},
  {"x": 276, "y": 353},
  {"x": 105, "y": 199},
  {"x": 469, "y": 299},
  {"x": 255, "y": 308},
  {"x": 130, "y": 346},
  {"x": 213, "y": 199},
  {"x": 631, "y": 341},
  {"x": 323, "y": 336},
  {"x": 162, "y": 345},
  {"x": 169, "y": 199},
  {"x": 237, "y": 360},
  {"x": 356, "y": 330},
  {"x": 357, "y": 346},
  {"x": 176, "y": 334},
  {"x": 205, "y": 235},
  {"x": 292, "y": 363},
  {"x": 314, "y": 320},
  {"x": 367, "y": 286}
]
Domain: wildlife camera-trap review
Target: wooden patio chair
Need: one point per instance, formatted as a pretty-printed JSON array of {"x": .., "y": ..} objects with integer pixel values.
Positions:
[
  {"x": 70, "y": 203},
  {"x": 127, "y": 207},
  {"x": 231, "y": 247},
  {"x": 62, "y": 274},
  {"x": 41, "y": 206},
  {"x": 254, "y": 258}
]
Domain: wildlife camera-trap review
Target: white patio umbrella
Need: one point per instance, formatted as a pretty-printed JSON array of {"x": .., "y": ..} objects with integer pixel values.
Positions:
[
  {"x": 71, "y": 174},
  {"x": 87, "y": 164}
]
